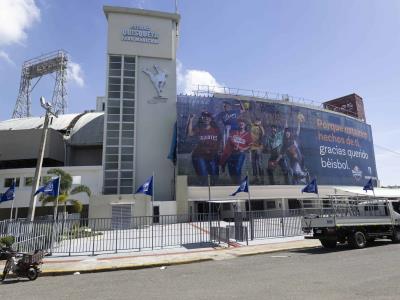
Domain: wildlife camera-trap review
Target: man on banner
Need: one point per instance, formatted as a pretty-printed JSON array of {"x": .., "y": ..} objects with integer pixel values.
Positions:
[
  {"x": 312, "y": 187},
  {"x": 9, "y": 194},
  {"x": 369, "y": 186},
  {"x": 51, "y": 188}
]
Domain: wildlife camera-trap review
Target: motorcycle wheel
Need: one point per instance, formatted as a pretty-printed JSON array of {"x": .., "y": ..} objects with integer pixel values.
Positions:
[{"x": 32, "y": 273}]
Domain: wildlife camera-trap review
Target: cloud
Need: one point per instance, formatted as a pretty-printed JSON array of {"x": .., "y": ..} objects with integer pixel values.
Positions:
[
  {"x": 139, "y": 3},
  {"x": 4, "y": 56},
  {"x": 75, "y": 73},
  {"x": 16, "y": 17},
  {"x": 188, "y": 80}
]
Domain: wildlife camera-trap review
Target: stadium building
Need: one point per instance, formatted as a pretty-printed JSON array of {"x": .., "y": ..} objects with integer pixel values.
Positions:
[{"x": 198, "y": 146}]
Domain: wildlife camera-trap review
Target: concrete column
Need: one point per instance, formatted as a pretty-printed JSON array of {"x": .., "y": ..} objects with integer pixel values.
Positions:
[{"x": 182, "y": 205}]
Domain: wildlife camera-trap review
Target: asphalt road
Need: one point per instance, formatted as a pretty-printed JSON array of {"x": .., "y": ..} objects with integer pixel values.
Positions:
[{"x": 371, "y": 273}]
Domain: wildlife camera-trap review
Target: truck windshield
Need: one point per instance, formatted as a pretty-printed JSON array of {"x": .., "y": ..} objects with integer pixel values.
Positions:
[{"x": 396, "y": 206}]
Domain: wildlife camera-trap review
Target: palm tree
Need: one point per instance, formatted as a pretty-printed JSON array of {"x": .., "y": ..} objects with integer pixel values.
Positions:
[{"x": 65, "y": 191}]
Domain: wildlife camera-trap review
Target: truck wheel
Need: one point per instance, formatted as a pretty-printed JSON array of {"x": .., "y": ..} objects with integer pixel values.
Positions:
[
  {"x": 358, "y": 240},
  {"x": 396, "y": 236},
  {"x": 329, "y": 244}
]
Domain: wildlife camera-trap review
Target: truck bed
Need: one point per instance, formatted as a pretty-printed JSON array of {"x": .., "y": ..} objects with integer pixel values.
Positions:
[{"x": 338, "y": 221}]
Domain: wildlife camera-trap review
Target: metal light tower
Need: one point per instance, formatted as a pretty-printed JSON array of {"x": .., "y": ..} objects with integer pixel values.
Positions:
[{"x": 54, "y": 62}]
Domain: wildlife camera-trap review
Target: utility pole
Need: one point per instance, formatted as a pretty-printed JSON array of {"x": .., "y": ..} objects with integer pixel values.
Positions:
[{"x": 35, "y": 185}]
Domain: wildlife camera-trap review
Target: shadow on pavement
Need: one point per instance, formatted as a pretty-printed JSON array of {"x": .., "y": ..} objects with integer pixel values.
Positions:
[
  {"x": 339, "y": 248},
  {"x": 14, "y": 280},
  {"x": 200, "y": 245}
]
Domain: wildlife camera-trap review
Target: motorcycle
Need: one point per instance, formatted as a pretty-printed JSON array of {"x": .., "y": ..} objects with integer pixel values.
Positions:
[{"x": 22, "y": 264}]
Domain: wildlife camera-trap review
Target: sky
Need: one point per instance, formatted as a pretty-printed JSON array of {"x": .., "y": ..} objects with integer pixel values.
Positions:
[{"x": 313, "y": 49}]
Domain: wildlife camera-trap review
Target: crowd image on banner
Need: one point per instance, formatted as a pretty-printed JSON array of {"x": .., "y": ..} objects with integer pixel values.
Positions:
[{"x": 222, "y": 140}]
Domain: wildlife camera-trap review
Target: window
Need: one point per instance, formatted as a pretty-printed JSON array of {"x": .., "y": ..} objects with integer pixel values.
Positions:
[
  {"x": 257, "y": 205},
  {"x": 8, "y": 182},
  {"x": 226, "y": 206},
  {"x": 28, "y": 181},
  {"x": 77, "y": 179},
  {"x": 271, "y": 205},
  {"x": 120, "y": 129}
]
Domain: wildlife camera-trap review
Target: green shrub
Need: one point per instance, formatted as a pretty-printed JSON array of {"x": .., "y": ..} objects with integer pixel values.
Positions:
[
  {"x": 80, "y": 232},
  {"x": 7, "y": 241}
]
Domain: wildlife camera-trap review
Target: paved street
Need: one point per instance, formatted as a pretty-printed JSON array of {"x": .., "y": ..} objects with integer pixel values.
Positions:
[{"x": 371, "y": 273}]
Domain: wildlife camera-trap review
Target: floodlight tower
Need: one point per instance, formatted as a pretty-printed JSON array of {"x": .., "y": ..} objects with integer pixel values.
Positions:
[{"x": 54, "y": 62}]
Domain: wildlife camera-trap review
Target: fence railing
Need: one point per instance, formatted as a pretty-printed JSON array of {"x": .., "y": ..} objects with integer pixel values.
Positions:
[{"x": 113, "y": 235}]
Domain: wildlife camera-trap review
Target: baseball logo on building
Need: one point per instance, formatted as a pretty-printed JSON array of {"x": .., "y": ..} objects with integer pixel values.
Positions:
[
  {"x": 357, "y": 173},
  {"x": 158, "y": 78}
]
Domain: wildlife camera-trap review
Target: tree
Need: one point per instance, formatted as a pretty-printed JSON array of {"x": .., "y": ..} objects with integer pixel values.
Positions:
[{"x": 66, "y": 191}]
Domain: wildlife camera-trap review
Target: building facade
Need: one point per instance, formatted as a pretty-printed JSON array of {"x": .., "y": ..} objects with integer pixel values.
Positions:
[{"x": 117, "y": 148}]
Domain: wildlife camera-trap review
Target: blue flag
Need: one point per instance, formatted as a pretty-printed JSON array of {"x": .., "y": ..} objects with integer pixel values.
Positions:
[
  {"x": 369, "y": 186},
  {"x": 311, "y": 187},
  {"x": 146, "y": 188},
  {"x": 9, "y": 194},
  {"x": 243, "y": 187},
  {"x": 51, "y": 188}
]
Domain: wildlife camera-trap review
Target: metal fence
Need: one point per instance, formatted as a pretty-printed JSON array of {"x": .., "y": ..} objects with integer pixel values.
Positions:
[{"x": 113, "y": 235}]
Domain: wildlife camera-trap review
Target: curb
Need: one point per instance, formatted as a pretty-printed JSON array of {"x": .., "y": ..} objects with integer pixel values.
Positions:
[
  {"x": 166, "y": 263},
  {"x": 160, "y": 264},
  {"x": 275, "y": 250},
  {"x": 123, "y": 268}
]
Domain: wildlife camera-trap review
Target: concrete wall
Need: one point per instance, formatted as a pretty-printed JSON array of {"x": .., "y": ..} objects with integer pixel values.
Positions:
[
  {"x": 182, "y": 206},
  {"x": 85, "y": 156},
  {"x": 154, "y": 125},
  {"x": 90, "y": 176},
  {"x": 155, "y": 117},
  {"x": 164, "y": 24},
  {"x": 24, "y": 144}
]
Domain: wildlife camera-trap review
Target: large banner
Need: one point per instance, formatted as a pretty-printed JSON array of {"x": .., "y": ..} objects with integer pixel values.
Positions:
[{"x": 222, "y": 140}]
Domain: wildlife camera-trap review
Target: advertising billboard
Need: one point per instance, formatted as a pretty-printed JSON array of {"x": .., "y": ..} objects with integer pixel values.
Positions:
[{"x": 221, "y": 140}]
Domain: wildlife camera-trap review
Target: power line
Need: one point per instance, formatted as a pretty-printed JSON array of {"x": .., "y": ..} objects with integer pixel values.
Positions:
[{"x": 387, "y": 149}]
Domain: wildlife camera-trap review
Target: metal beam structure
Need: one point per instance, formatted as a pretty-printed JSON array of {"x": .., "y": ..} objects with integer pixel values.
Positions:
[{"x": 54, "y": 62}]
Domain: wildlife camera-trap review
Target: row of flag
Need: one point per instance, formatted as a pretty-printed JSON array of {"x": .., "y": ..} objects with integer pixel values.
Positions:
[
  {"x": 52, "y": 188},
  {"x": 312, "y": 187}
]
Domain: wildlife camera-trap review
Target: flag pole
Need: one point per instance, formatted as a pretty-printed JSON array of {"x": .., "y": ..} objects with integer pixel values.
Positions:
[
  {"x": 209, "y": 201},
  {"x": 55, "y": 217},
  {"x": 250, "y": 211},
  {"x": 12, "y": 207},
  {"x": 12, "y": 203},
  {"x": 248, "y": 193},
  {"x": 152, "y": 198}
]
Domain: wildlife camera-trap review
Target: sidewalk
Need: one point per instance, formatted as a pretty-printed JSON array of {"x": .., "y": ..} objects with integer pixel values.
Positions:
[{"x": 54, "y": 266}]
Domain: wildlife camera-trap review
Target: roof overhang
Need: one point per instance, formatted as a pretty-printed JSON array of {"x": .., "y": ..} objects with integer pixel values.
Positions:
[{"x": 377, "y": 192}]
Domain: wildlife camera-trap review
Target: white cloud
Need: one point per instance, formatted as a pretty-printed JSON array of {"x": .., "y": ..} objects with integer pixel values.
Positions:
[
  {"x": 139, "y": 4},
  {"x": 188, "y": 80},
  {"x": 16, "y": 16},
  {"x": 75, "y": 73},
  {"x": 4, "y": 56}
]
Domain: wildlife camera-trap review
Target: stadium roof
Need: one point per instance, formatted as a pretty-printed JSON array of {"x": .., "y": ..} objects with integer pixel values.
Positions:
[
  {"x": 378, "y": 192},
  {"x": 80, "y": 129},
  {"x": 71, "y": 122}
]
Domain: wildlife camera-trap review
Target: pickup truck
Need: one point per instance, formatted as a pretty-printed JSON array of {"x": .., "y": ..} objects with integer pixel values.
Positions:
[{"x": 354, "y": 221}]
